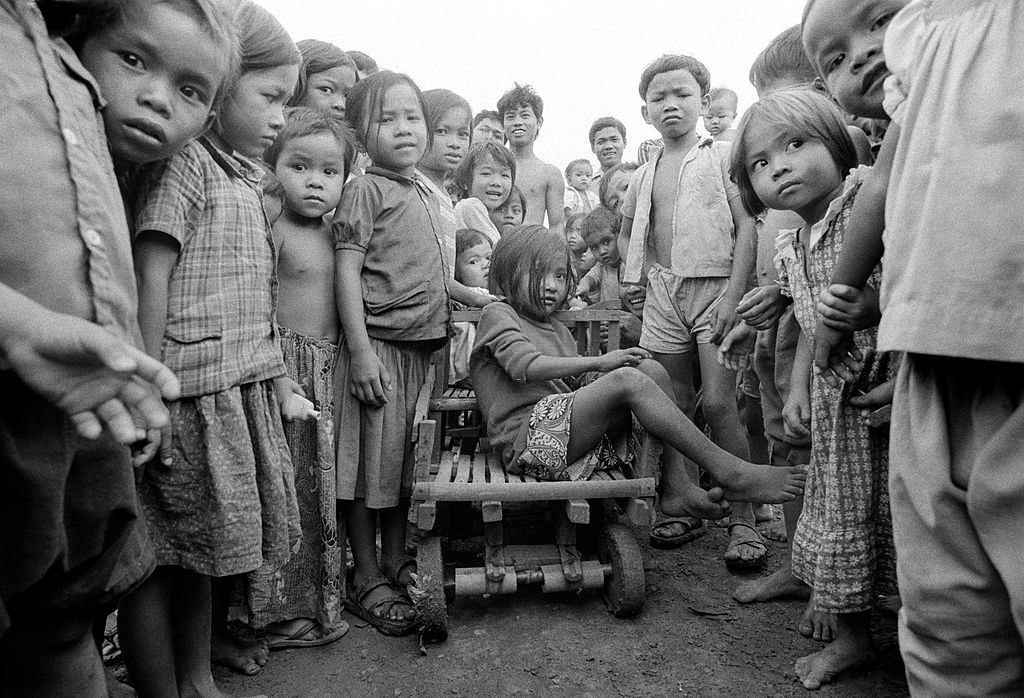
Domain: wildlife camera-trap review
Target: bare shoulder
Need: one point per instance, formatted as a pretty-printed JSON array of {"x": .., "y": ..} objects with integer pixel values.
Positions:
[{"x": 553, "y": 175}]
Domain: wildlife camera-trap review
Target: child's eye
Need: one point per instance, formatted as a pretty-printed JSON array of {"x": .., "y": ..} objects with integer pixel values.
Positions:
[
  {"x": 796, "y": 143},
  {"x": 325, "y": 89},
  {"x": 298, "y": 167},
  {"x": 330, "y": 171},
  {"x": 882, "y": 21},
  {"x": 757, "y": 165},
  {"x": 833, "y": 64},
  {"x": 130, "y": 59},
  {"x": 441, "y": 131},
  {"x": 193, "y": 93}
]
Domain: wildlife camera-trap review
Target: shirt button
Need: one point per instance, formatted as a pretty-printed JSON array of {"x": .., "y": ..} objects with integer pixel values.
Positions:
[
  {"x": 70, "y": 136},
  {"x": 92, "y": 238}
]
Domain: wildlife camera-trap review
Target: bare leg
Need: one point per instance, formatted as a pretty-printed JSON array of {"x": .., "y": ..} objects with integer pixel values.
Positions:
[
  {"x": 851, "y": 648},
  {"x": 191, "y": 614},
  {"x": 818, "y": 625},
  {"x": 244, "y": 656},
  {"x": 392, "y": 538},
  {"x": 597, "y": 409},
  {"x": 147, "y": 634},
  {"x": 362, "y": 535}
]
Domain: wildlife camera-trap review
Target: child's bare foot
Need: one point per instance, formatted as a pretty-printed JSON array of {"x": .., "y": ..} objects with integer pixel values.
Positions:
[
  {"x": 818, "y": 625},
  {"x": 695, "y": 501},
  {"x": 398, "y": 572},
  {"x": 373, "y": 599},
  {"x": 746, "y": 482},
  {"x": 849, "y": 650},
  {"x": 779, "y": 584},
  {"x": 244, "y": 656},
  {"x": 747, "y": 549},
  {"x": 204, "y": 688}
]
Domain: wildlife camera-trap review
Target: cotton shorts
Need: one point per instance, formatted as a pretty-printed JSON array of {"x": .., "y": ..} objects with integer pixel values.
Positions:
[{"x": 679, "y": 310}]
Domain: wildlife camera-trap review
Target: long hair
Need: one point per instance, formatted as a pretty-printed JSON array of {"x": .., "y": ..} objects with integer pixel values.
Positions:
[
  {"x": 317, "y": 57},
  {"x": 263, "y": 41},
  {"x": 529, "y": 252},
  {"x": 477, "y": 152},
  {"x": 366, "y": 99}
]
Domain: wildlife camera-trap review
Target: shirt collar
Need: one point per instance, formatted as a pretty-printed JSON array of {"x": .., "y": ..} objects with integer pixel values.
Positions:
[
  {"x": 393, "y": 176},
  {"x": 234, "y": 163}
]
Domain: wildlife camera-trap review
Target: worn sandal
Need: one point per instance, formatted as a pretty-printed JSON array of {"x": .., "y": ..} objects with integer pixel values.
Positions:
[
  {"x": 385, "y": 625},
  {"x": 753, "y": 540},
  {"x": 692, "y": 529},
  {"x": 308, "y": 634},
  {"x": 394, "y": 574}
]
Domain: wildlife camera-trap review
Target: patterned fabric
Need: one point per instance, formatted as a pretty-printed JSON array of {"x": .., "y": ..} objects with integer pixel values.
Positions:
[
  {"x": 311, "y": 584},
  {"x": 580, "y": 201},
  {"x": 446, "y": 228},
  {"x": 223, "y": 291},
  {"x": 226, "y": 504},
  {"x": 843, "y": 543},
  {"x": 547, "y": 441}
]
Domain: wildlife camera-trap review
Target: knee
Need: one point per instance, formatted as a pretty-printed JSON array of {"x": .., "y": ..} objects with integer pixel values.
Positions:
[
  {"x": 718, "y": 408},
  {"x": 655, "y": 371},
  {"x": 628, "y": 381}
]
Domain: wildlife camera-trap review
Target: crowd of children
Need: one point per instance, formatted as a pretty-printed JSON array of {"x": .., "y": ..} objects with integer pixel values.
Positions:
[{"x": 228, "y": 259}]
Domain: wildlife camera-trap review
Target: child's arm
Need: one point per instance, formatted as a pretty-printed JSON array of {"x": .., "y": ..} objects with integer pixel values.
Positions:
[
  {"x": 742, "y": 270},
  {"x": 367, "y": 376},
  {"x": 554, "y": 200},
  {"x": 796, "y": 414},
  {"x": 862, "y": 250},
  {"x": 551, "y": 367},
  {"x": 461, "y": 293}
]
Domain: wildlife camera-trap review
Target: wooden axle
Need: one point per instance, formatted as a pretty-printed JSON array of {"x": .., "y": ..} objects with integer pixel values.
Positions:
[{"x": 473, "y": 581}]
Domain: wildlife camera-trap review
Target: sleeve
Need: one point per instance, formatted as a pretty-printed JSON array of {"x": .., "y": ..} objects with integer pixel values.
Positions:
[
  {"x": 628, "y": 206},
  {"x": 593, "y": 198},
  {"x": 172, "y": 196},
  {"x": 352, "y": 225},
  {"x": 501, "y": 335},
  {"x": 569, "y": 199},
  {"x": 471, "y": 213},
  {"x": 785, "y": 256},
  {"x": 904, "y": 38},
  {"x": 593, "y": 279},
  {"x": 724, "y": 151}
]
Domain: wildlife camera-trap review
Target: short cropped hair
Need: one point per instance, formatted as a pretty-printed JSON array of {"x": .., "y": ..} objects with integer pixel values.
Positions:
[
  {"x": 520, "y": 95},
  {"x": 366, "y": 99},
  {"x": 799, "y": 111},
  {"x": 574, "y": 164},
  {"x": 669, "y": 62},
  {"x": 439, "y": 102},
  {"x": 485, "y": 114},
  {"x": 724, "y": 94},
  {"x": 606, "y": 122},
  {"x": 529, "y": 252},
  {"x": 477, "y": 152},
  {"x": 364, "y": 63},
  {"x": 626, "y": 167},
  {"x": 783, "y": 57},
  {"x": 599, "y": 221},
  {"x": 303, "y": 121},
  {"x": 317, "y": 57},
  {"x": 465, "y": 238}
]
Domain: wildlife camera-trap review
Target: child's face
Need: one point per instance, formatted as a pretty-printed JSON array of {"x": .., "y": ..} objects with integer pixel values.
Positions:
[
  {"x": 554, "y": 287},
  {"x": 521, "y": 125},
  {"x": 719, "y": 117},
  {"x": 159, "y": 72},
  {"x": 604, "y": 247},
  {"x": 616, "y": 190},
  {"x": 312, "y": 171},
  {"x": 575, "y": 240},
  {"x": 580, "y": 177},
  {"x": 489, "y": 129},
  {"x": 451, "y": 141},
  {"x": 843, "y": 39},
  {"x": 326, "y": 90},
  {"x": 491, "y": 182},
  {"x": 396, "y": 137},
  {"x": 254, "y": 111},
  {"x": 473, "y": 265},
  {"x": 673, "y": 103},
  {"x": 608, "y": 146},
  {"x": 789, "y": 171},
  {"x": 509, "y": 216}
]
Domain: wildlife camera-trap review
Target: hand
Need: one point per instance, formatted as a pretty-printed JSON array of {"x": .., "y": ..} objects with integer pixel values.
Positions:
[
  {"x": 482, "y": 299},
  {"x": 576, "y": 303},
  {"x": 724, "y": 319},
  {"x": 284, "y": 388},
  {"x": 836, "y": 357},
  {"x": 879, "y": 396},
  {"x": 734, "y": 351},
  {"x": 622, "y": 357},
  {"x": 796, "y": 415},
  {"x": 633, "y": 297},
  {"x": 97, "y": 379},
  {"x": 145, "y": 449},
  {"x": 368, "y": 378},
  {"x": 762, "y": 306},
  {"x": 847, "y": 308}
]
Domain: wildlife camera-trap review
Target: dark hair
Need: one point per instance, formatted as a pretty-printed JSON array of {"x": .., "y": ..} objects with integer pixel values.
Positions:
[
  {"x": 366, "y": 99},
  {"x": 530, "y": 252},
  {"x": 520, "y": 95},
  {"x": 303, "y": 121},
  {"x": 264, "y": 43},
  {"x": 466, "y": 238},
  {"x": 783, "y": 57},
  {"x": 317, "y": 57},
  {"x": 477, "y": 152},
  {"x": 669, "y": 62},
  {"x": 724, "y": 94},
  {"x": 573, "y": 217},
  {"x": 364, "y": 63},
  {"x": 572, "y": 165},
  {"x": 607, "y": 122},
  {"x": 512, "y": 196},
  {"x": 797, "y": 111},
  {"x": 486, "y": 114},
  {"x": 598, "y": 221},
  {"x": 602, "y": 189},
  {"x": 439, "y": 102}
]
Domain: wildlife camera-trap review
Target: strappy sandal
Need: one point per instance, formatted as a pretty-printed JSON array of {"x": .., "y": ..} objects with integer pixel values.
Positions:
[
  {"x": 394, "y": 574},
  {"x": 754, "y": 540},
  {"x": 382, "y": 623}
]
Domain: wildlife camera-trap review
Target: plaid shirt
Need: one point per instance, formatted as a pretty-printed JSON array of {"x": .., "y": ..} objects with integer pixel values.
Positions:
[{"x": 220, "y": 328}]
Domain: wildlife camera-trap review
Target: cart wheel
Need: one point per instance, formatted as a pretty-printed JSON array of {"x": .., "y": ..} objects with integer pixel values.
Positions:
[
  {"x": 428, "y": 591},
  {"x": 624, "y": 589}
]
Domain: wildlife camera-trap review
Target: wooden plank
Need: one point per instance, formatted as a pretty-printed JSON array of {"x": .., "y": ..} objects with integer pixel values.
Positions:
[
  {"x": 615, "y": 474},
  {"x": 444, "y": 470},
  {"x": 528, "y": 479},
  {"x": 491, "y": 511},
  {"x": 578, "y": 511},
  {"x": 598, "y": 312},
  {"x": 452, "y": 404},
  {"x": 600, "y": 475},
  {"x": 614, "y": 335},
  {"x": 426, "y": 432},
  {"x": 463, "y": 467},
  {"x": 494, "y": 468},
  {"x": 530, "y": 491},
  {"x": 594, "y": 343},
  {"x": 479, "y": 467},
  {"x": 640, "y": 512}
]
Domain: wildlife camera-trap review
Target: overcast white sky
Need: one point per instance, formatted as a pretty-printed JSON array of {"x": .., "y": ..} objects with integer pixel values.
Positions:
[{"x": 583, "y": 57}]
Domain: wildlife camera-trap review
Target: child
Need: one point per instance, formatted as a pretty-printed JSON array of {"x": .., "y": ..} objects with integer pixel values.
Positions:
[
  {"x": 608, "y": 143},
  {"x": 614, "y": 184},
  {"x": 510, "y": 214},
  {"x": 601, "y": 283},
  {"x": 792, "y": 152},
  {"x": 485, "y": 177},
  {"x": 365, "y": 65},
  {"x": 582, "y": 258},
  {"x": 690, "y": 237},
  {"x": 943, "y": 175},
  {"x": 394, "y": 309},
  {"x": 579, "y": 198},
  {"x": 521, "y": 111},
  {"x": 545, "y": 424},
  {"x": 487, "y": 126},
  {"x": 722, "y": 107},
  {"x": 325, "y": 77},
  {"x": 472, "y": 264},
  {"x": 204, "y": 256},
  {"x": 301, "y": 603}
]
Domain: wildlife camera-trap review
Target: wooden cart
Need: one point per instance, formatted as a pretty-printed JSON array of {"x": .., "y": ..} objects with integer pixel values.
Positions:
[{"x": 461, "y": 490}]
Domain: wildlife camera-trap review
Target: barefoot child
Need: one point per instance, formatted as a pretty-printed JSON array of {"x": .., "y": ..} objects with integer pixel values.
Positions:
[
  {"x": 510, "y": 214},
  {"x": 326, "y": 74},
  {"x": 300, "y": 604},
  {"x": 486, "y": 178},
  {"x": 522, "y": 114},
  {"x": 546, "y": 424},
  {"x": 579, "y": 198},
  {"x": 793, "y": 152},
  {"x": 225, "y": 503},
  {"x": 394, "y": 309}
]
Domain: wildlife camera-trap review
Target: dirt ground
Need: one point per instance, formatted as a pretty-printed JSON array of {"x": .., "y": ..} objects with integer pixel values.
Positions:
[{"x": 691, "y": 639}]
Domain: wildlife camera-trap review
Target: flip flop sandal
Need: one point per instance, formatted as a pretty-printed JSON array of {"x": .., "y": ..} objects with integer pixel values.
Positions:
[
  {"x": 693, "y": 528},
  {"x": 299, "y": 639},
  {"x": 756, "y": 541},
  {"x": 393, "y": 574},
  {"x": 385, "y": 625}
]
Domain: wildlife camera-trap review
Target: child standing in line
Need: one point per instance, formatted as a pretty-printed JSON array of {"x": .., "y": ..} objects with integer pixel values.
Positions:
[
  {"x": 614, "y": 183},
  {"x": 945, "y": 192},
  {"x": 691, "y": 239},
  {"x": 510, "y": 214},
  {"x": 599, "y": 233},
  {"x": 792, "y": 152},
  {"x": 521, "y": 111},
  {"x": 394, "y": 309},
  {"x": 326, "y": 74},
  {"x": 300, "y": 604},
  {"x": 721, "y": 112},
  {"x": 582, "y": 258},
  {"x": 546, "y": 424},
  {"x": 204, "y": 257},
  {"x": 472, "y": 265},
  {"x": 486, "y": 178},
  {"x": 579, "y": 198}
]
